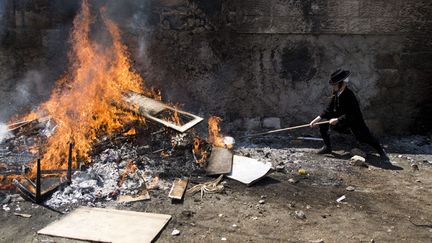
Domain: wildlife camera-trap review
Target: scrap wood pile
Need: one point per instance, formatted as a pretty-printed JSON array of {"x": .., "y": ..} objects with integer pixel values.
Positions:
[{"x": 138, "y": 158}]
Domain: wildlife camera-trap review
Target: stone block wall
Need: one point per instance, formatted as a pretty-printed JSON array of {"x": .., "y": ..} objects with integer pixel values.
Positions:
[
  {"x": 253, "y": 59},
  {"x": 33, "y": 51}
]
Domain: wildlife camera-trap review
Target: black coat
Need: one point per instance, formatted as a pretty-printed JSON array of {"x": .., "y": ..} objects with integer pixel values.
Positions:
[{"x": 346, "y": 108}]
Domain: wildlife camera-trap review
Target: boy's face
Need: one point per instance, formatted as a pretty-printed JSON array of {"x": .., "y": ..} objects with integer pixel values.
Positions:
[{"x": 335, "y": 87}]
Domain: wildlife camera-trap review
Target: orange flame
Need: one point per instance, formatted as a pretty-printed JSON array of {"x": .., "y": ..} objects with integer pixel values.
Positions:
[
  {"x": 199, "y": 152},
  {"x": 196, "y": 145},
  {"x": 130, "y": 132},
  {"x": 130, "y": 168},
  {"x": 215, "y": 136},
  {"x": 81, "y": 104},
  {"x": 176, "y": 117},
  {"x": 6, "y": 182}
]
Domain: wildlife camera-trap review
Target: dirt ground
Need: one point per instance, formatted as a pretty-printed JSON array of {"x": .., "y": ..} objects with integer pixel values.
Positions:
[{"x": 388, "y": 204}]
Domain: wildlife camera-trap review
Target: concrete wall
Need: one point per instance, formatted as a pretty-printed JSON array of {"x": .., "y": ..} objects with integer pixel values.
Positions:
[{"x": 252, "y": 59}]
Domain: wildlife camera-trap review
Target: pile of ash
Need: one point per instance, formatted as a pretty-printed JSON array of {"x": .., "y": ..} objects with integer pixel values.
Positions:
[
  {"x": 121, "y": 164},
  {"x": 125, "y": 169}
]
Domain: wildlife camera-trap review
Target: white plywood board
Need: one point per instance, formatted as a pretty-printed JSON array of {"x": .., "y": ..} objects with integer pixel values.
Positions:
[
  {"x": 247, "y": 170},
  {"x": 108, "y": 225}
]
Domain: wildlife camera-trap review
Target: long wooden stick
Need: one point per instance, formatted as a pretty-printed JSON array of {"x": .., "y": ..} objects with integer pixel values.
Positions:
[
  {"x": 16, "y": 125},
  {"x": 282, "y": 129},
  {"x": 20, "y": 123}
]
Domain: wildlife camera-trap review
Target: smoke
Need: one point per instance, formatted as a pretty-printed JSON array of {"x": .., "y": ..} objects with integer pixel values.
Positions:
[
  {"x": 135, "y": 16},
  {"x": 138, "y": 21},
  {"x": 25, "y": 95},
  {"x": 4, "y": 133}
]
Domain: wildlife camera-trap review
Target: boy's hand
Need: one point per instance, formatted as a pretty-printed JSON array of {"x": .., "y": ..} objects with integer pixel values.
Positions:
[{"x": 333, "y": 121}]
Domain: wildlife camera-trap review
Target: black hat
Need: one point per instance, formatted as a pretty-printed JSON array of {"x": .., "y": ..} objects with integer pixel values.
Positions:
[{"x": 339, "y": 76}]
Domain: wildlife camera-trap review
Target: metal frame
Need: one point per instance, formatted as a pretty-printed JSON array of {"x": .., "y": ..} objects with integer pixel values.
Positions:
[{"x": 34, "y": 191}]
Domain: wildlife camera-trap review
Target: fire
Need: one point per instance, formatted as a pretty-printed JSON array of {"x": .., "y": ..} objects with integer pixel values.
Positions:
[
  {"x": 6, "y": 182},
  {"x": 196, "y": 145},
  {"x": 215, "y": 136},
  {"x": 199, "y": 152},
  {"x": 81, "y": 103},
  {"x": 131, "y": 132},
  {"x": 130, "y": 168},
  {"x": 176, "y": 117}
]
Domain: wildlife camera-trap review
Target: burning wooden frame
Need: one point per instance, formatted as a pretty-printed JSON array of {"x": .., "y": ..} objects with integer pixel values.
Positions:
[{"x": 152, "y": 109}]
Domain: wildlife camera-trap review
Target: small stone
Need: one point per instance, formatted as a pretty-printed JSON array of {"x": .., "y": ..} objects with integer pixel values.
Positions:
[
  {"x": 280, "y": 168},
  {"x": 223, "y": 239},
  {"x": 308, "y": 207},
  {"x": 291, "y": 180},
  {"x": 175, "y": 232},
  {"x": 341, "y": 199},
  {"x": 234, "y": 226},
  {"x": 358, "y": 158},
  {"x": 300, "y": 214},
  {"x": 358, "y": 161},
  {"x": 6, "y": 208},
  {"x": 263, "y": 196},
  {"x": 357, "y": 151},
  {"x": 23, "y": 215},
  {"x": 254, "y": 218},
  {"x": 317, "y": 241},
  {"x": 262, "y": 201},
  {"x": 188, "y": 213},
  {"x": 427, "y": 161},
  {"x": 350, "y": 188},
  {"x": 414, "y": 167},
  {"x": 220, "y": 215},
  {"x": 400, "y": 156},
  {"x": 302, "y": 172}
]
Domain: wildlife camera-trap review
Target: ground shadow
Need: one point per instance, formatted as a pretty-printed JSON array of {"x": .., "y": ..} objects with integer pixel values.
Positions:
[
  {"x": 379, "y": 162},
  {"x": 266, "y": 181}
]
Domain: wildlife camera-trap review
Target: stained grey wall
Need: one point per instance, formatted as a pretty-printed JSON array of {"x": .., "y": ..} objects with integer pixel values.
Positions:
[{"x": 257, "y": 58}]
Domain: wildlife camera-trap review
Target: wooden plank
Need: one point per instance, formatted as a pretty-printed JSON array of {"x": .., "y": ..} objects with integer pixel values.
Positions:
[
  {"x": 129, "y": 198},
  {"x": 108, "y": 225},
  {"x": 247, "y": 170},
  {"x": 178, "y": 188},
  {"x": 220, "y": 161}
]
